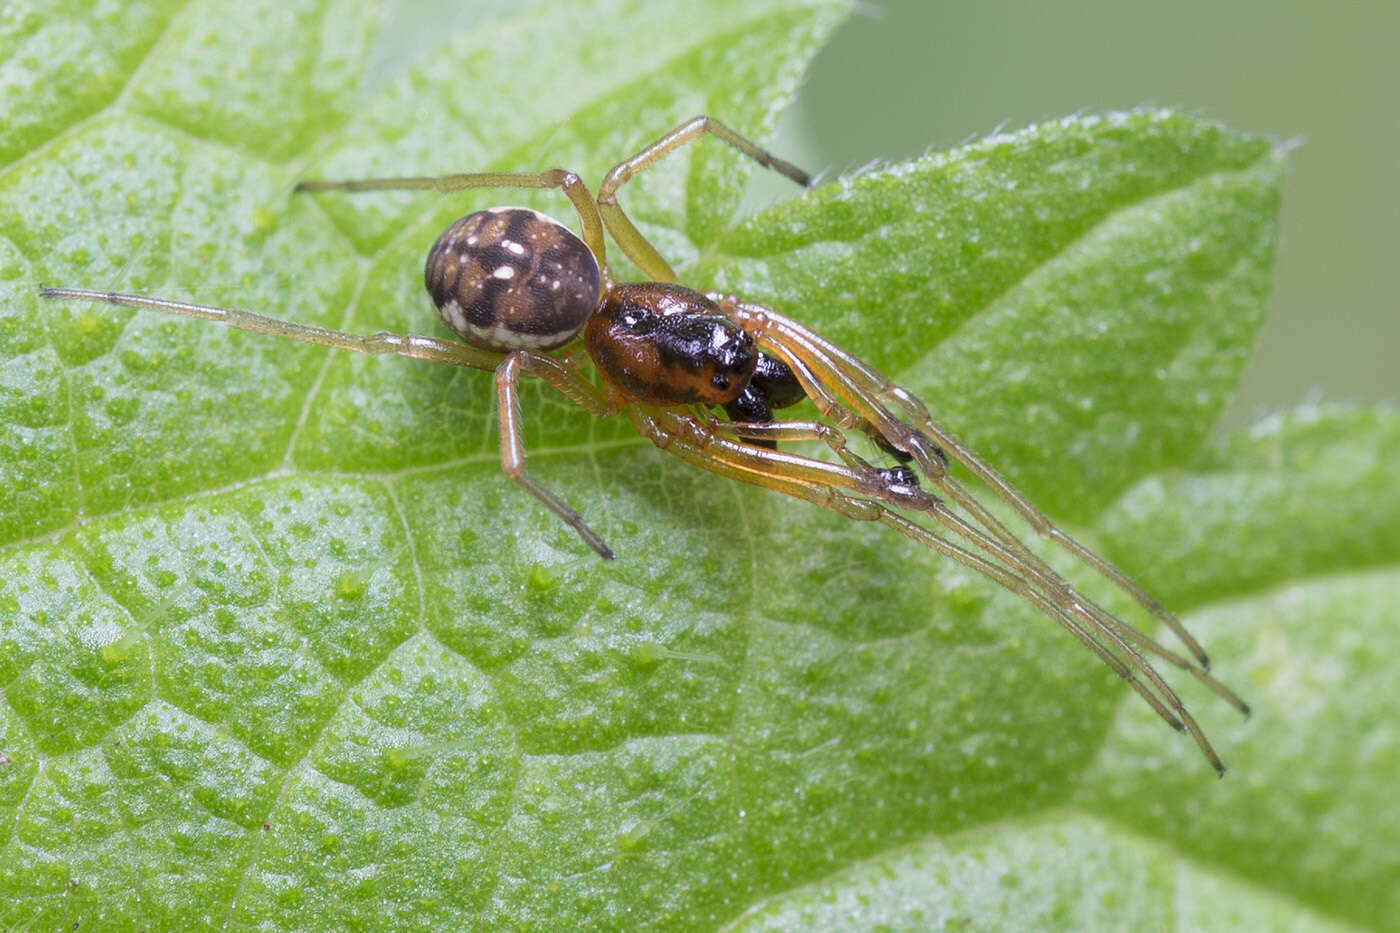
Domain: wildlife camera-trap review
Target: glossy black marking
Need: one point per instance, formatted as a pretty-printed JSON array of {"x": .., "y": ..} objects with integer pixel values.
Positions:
[
  {"x": 664, "y": 344},
  {"x": 751, "y": 405},
  {"x": 771, "y": 386},
  {"x": 776, "y": 381},
  {"x": 900, "y": 476}
]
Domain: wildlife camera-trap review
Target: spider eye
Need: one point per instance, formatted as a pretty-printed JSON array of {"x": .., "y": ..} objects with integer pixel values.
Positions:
[{"x": 720, "y": 382}]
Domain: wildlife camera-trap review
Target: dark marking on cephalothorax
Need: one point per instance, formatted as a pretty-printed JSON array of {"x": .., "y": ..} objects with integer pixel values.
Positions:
[
  {"x": 664, "y": 344},
  {"x": 773, "y": 385},
  {"x": 512, "y": 278}
]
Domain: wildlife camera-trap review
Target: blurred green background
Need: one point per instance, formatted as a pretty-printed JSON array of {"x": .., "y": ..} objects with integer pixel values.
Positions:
[
  {"x": 903, "y": 76},
  {"x": 906, "y": 75}
]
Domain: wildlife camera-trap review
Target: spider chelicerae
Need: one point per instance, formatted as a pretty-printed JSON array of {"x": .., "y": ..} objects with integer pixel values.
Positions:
[{"x": 529, "y": 296}]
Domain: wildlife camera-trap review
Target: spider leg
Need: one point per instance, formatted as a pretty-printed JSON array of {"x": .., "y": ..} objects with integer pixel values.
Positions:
[
  {"x": 768, "y": 433},
  {"x": 829, "y": 485},
  {"x": 566, "y": 181},
  {"x": 564, "y": 374},
  {"x": 513, "y": 440},
  {"x": 414, "y": 345},
  {"x": 1002, "y": 543},
  {"x": 836, "y": 440},
  {"x": 869, "y": 394},
  {"x": 627, "y": 236}
]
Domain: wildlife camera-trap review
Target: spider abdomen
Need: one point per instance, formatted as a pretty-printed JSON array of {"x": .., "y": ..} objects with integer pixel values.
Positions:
[
  {"x": 511, "y": 278},
  {"x": 664, "y": 344}
]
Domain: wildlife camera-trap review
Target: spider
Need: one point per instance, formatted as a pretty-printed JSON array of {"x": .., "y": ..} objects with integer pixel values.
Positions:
[{"x": 528, "y": 296}]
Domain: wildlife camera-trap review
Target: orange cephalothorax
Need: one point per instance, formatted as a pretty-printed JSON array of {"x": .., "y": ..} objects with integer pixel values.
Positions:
[{"x": 664, "y": 344}]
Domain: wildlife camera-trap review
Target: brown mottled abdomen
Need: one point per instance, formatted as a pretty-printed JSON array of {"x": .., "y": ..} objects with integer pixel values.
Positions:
[{"x": 511, "y": 278}]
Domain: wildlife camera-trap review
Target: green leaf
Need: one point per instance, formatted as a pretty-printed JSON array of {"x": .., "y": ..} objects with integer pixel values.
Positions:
[
  {"x": 1063, "y": 870},
  {"x": 280, "y": 647},
  {"x": 1301, "y": 833}
]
